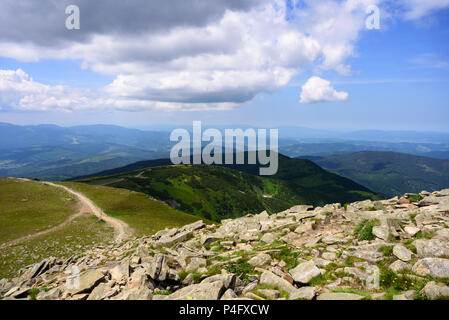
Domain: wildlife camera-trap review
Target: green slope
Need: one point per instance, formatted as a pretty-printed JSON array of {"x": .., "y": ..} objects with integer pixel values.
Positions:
[
  {"x": 216, "y": 192},
  {"x": 391, "y": 173}
]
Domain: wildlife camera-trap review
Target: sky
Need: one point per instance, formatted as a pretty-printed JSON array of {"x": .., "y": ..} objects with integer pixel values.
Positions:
[{"x": 263, "y": 63}]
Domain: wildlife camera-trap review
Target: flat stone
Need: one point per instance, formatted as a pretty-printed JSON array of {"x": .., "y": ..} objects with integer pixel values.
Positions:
[
  {"x": 432, "y": 248},
  {"x": 399, "y": 265},
  {"x": 381, "y": 232},
  {"x": 229, "y": 294},
  {"x": 435, "y": 291},
  {"x": 304, "y": 293},
  {"x": 268, "y": 238},
  {"x": 339, "y": 296},
  {"x": 270, "y": 293},
  {"x": 202, "y": 291},
  {"x": 402, "y": 253},
  {"x": 271, "y": 279},
  {"x": 408, "y": 295},
  {"x": 260, "y": 260},
  {"x": 87, "y": 281},
  {"x": 304, "y": 272},
  {"x": 435, "y": 267},
  {"x": 411, "y": 231}
]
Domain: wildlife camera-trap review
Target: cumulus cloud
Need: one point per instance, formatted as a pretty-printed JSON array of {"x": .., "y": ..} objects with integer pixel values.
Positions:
[
  {"x": 416, "y": 9},
  {"x": 180, "y": 55},
  {"x": 317, "y": 89}
]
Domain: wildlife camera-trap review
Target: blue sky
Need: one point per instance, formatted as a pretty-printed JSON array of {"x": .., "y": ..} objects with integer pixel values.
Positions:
[{"x": 398, "y": 78}]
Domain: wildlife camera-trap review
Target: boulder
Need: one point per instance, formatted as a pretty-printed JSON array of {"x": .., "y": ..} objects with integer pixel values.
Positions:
[
  {"x": 268, "y": 238},
  {"x": 399, "y": 265},
  {"x": 432, "y": 248},
  {"x": 87, "y": 281},
  {"x": 411, "y": 231},
  {"x": 260, "y": 260},
  {"x": 435, "y": 267},
  {"x": 402, "y": 253},
  {"x": 339, "y": 296},
  {"x": 382, "y": 232},
  {"x": 304, "y": 272},
  {"x": 271, "y": 279},
  {"x": 202, "y": 291},
  {"x": 436, "y": 291}
]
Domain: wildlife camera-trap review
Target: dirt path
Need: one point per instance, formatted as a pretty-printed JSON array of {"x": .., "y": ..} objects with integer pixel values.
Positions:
[{"x": 122, "y": 230}]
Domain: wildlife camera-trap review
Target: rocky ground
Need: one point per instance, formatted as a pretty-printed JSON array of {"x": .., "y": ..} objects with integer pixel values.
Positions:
[{"x": 392, "y": 249}]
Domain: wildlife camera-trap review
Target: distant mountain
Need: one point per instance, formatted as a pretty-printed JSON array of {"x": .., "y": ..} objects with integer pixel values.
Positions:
[
  {"x": 390, "y": 173},
  {"x": 56, "y": 153},
  {"x": 15, "y": 137},
  {"x": 324, "y": 149},
  {"x": 217, "y": 192}
]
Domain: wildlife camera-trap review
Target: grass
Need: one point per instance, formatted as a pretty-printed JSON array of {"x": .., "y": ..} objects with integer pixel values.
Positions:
[
  {"x": 415, "y": 198},
  {"x": 241, "y": 268},
  {"x": 143, "y": 215},
  {"x": 386, "y": 250},
  {"x": 364, "y": 231},
  {"x": 30, "y": 207},
  {"x": 288, "y": 256},
  {"x": 73, "y": 240}
]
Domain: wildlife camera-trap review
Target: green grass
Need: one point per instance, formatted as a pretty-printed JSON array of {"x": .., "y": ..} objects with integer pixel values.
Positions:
[
  {"x": 288, "y": 256},
  {"x": 30, "y": 207},
  {"x": 143, "y": 215},
  {"x": 386, "y": 250},
  {"x": 74, "y": 239},
  {"x": 364, "y": 231},
  {"x": 415, "y": 198}
]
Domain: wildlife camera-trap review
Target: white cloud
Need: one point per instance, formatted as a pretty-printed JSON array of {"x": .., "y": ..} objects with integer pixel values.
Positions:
[
  {"x": 416, "y": 9},
  {"x": 320, "y": 90},
  {"x": 201, "y": 56}
]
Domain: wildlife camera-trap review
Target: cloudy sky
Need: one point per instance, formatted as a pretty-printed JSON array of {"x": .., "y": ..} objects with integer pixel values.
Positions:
[{"x": 257, "y": 62}]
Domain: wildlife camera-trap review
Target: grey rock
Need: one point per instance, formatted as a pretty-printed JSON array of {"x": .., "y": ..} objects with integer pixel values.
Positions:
[
  {"x": 87, "y": 281},
  {"x": 435, "y": 291},
  {"x": 229, "y": 294},
  {"x": 271, "y": 279},
  {"x": 304, "y": 293},
  {"x": 402, "y": 253},
  {"x": 432, "y": 248},
  {"x": 260, "y": 260},
  {"x": 270, "y": 293},
  {"x": 202, "y": 291},
  {"x": 408, "y": 295},
  {"x": 339, "y": 296},
  {"x": 268, "y": 238},
  {"x": 435, "y": 267},
  {"x": 399, "y": 265},
  {"x": 304, "y": 272}
]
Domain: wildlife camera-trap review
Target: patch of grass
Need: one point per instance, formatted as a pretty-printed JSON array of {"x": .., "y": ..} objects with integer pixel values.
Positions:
[
  {"x": 386, "y": 250},
  {"x": 364, "y": 231},
  {"x": 425, "y": 235},
  {"x": 241, "y": 268},
  {"x": 288, "y": 256},
  {"x": 415, "y": 198},
  {"x": 162, "y": 293},
  {"x": 73, "y": 240},
  {"x": 33, "y": 292},
  {"x": 28, "y": 207}
]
